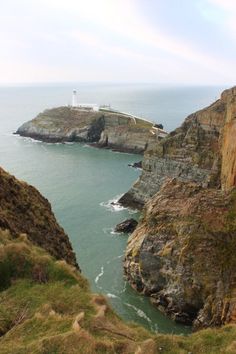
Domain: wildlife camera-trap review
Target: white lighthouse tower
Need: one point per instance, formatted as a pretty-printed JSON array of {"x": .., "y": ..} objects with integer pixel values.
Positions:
[{"x": 74, "y": 99}]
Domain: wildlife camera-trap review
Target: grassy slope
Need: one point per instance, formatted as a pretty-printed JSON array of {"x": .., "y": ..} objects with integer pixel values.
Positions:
[
  {"x": 46, "y": 307},
  {"x": 64, "y": 117},
  {"x": 23, "y": 208}
]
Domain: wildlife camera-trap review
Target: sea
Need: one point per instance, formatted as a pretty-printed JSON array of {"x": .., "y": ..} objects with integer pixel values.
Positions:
[{"x": 81, "y": 182}]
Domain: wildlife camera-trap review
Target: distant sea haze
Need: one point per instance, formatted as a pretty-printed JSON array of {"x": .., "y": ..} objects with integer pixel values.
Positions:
[
  {"x": 81, "y": 182},
  {"x": 161, "y": 104}
]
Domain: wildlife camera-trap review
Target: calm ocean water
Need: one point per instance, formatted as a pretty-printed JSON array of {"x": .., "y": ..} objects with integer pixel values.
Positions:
[{"x": 80, "y": 181}]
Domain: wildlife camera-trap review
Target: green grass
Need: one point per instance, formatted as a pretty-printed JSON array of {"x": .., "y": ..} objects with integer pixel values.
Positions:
[{"x": 41, "y": 298}]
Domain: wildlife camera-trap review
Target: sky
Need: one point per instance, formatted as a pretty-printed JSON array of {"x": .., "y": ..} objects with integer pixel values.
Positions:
[{"x": 189, "y": 42}]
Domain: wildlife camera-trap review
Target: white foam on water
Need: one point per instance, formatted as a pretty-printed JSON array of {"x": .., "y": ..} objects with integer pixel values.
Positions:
[
  {"x": 31, "y": 140},
  {"x": 132, "y": 211},
  {"x": 99, "y": 275},
  {"x": 119, "y": 152},
  {"x": 110, "y": 231},
  {"x": 124, "y": 288},
  {"x": 113, "y": 205},
  {"x": 107, "y": 230},
  {"x": 135, "y": 168},
  {"x": 113, "y": 232},
  {"x": 113, "y": 296},
  {"x": 139, "y": 312},
  {"x": 113, "y": 259},
  {"x": 10, "y": 134}
]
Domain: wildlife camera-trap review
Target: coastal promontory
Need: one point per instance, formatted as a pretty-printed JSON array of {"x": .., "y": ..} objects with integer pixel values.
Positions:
[
  {"x": 182, "y": 253},
  {"x": 103, "y": 128},
  {"x": 200, "y": 150}
]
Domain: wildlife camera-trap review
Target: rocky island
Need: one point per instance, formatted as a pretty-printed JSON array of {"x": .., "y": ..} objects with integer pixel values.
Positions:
[
  {"x": 103, "y": 128},
  {"x": 183, "y": 252}
]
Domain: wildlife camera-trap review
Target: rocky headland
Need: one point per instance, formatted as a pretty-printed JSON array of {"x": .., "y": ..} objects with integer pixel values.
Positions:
[
  {"x": 192, "y": 152},
  {"x": 104, "y": 129},
  {"x": 183, "y": 252}
]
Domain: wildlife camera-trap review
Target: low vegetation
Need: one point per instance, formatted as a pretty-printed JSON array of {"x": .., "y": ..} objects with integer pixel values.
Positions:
[{"x": 46, "y": 307}]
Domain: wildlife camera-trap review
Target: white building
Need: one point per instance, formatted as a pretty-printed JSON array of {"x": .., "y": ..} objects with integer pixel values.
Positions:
[
  {"x": 74, "y": 99},
  {"x": 83, "y": 106}
]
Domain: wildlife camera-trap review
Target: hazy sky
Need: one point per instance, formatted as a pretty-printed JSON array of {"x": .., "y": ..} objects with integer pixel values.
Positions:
[{"x": 162, "y": 41}]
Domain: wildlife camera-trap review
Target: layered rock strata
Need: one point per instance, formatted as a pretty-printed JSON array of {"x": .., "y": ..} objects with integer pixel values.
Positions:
[
  {"x": 105, "y": 129},
  {"x": 182, "y": 253},
  {"x": 192, "y": 152},
  {"x": 228, "y": 171},
  {"x": 24, "y": 210}
]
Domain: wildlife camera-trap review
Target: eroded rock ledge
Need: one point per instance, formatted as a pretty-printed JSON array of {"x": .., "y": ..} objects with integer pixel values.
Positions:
[{"x": 104, "y": 129}]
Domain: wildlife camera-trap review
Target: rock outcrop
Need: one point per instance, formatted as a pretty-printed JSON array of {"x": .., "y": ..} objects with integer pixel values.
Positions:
[
  {"x": 126, "y": 226},
  {"x": 228, "y": 172},
  {"x": 105, "y": 129},
  {"x": 182, "y": 253},
  {"x": 192, "y": 152},
  {"x": 24, "y": 210}
]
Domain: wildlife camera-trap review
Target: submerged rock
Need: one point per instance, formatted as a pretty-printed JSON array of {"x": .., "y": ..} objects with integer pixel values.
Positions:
[
  {"x": 136, "y": 164},
  {"x": 127, "y": 226}
]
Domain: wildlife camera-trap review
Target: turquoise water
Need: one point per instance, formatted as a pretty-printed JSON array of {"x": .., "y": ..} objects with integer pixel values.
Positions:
[{"x": 80, "y": 181}]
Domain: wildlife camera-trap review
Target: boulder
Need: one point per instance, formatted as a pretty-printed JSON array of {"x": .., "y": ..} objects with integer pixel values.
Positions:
[{"x": 126, "y": 226}]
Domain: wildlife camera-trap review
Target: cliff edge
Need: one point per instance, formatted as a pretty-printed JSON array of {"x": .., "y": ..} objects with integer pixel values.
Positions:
[
  {"x": 228, "y": 171},
  {"x": 183, "y": 252},
  {"x": 201, "y": 150},
  {"x": 24, "y": 210}
]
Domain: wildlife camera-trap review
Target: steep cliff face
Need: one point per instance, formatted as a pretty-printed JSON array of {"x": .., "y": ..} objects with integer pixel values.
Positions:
[
  {"x": 24, "y": 210},
  {"x": 228, "y": 172},
  {"x": 192, "y": 152},
  {"x": 183, "y": 252},
  {"x": 106, "y": 129}
]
